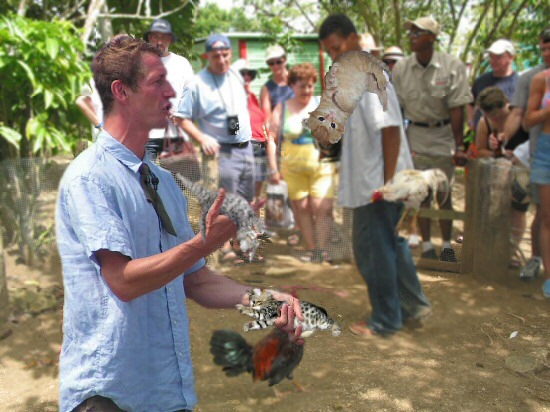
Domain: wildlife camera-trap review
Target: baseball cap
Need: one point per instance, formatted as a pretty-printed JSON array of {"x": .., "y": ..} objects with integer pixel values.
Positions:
[
  {"x": 217, "y": 38},
  {"x": 275, "y": 52},
  {"x": 502, "y": 46},
  {"x": 424, "y": 23},
  {"x": 160, "y": 26}
]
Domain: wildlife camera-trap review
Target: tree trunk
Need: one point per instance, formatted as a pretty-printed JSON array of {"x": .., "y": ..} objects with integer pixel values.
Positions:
[
  {"x": 22, "y": 8},
  {"x": 91, "y": 17}
]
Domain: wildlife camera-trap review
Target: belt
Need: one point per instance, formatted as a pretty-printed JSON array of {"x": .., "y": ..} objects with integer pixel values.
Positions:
[
  {"x": 258, "y": 143},
  {"x": 238, "y": 145},
  {"x": 432, "y": 125}
]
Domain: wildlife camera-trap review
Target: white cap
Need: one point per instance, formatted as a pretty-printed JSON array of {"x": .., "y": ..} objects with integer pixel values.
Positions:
[
  {"x": 275, "y": 52},
  {"x": 502, "y": 46}
]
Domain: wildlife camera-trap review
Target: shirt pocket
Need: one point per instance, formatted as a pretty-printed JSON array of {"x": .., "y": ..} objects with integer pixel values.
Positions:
[{"x": 439, "y": 86}]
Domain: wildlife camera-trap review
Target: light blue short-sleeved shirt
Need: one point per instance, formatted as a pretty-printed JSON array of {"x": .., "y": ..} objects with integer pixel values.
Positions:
[
  {"x": 212, "y": 99},
  {"x": 136, "y": 353}
]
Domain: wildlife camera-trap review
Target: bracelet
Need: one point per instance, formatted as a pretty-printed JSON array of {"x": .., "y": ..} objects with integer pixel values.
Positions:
[
  {"x": 273, "y": 172},
  {"x": 99, "y": 126}
]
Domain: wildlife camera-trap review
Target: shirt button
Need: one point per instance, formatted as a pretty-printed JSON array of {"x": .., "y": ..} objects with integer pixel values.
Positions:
[
  {"x": 180, "y": 354},
  {"x": 175, "y": 322}
]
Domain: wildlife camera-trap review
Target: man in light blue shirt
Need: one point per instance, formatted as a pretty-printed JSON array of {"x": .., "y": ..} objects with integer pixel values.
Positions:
[
  {"x": 219, "y": 103},
  {"x": 130, "y": 260}
]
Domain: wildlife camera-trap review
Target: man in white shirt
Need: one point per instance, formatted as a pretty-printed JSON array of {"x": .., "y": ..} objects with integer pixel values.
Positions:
[
  {"x": 180, "y": 76},
  {"x": 374, "y": 148}
]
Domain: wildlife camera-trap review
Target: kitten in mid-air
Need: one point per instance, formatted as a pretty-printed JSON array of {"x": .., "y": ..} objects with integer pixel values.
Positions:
[
  {"x": 351, "y": 75},
  {"x": 266, "y": 309}
]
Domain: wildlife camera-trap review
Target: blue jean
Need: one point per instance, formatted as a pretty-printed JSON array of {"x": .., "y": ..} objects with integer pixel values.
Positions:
[{"x": 385, "y": 262}]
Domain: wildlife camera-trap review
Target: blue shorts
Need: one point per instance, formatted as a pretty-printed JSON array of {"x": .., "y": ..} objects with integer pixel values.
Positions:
[{"x": 540, "y": 171}]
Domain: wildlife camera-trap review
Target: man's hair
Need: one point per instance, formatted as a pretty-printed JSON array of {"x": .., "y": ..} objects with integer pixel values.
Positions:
[
  {"x": 492, "y": 98},
  {"x": 304, "y": 71},
  {"x": 544, "y": 35},
  {"x": 119, "y": 59},
  {"x": 336, "y": 23}
]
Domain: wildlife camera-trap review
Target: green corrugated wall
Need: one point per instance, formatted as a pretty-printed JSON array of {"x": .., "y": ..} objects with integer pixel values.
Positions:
[{"x": 307, "y": 50}]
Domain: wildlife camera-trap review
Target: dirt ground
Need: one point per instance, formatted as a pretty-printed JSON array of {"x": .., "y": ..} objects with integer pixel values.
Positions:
[{"x": 487, "y": 346}]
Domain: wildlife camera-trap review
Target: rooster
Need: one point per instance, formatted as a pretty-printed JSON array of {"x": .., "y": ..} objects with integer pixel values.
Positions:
[
  {"x": 272, "y": 359},
  {"x": 412, "y": 187}
]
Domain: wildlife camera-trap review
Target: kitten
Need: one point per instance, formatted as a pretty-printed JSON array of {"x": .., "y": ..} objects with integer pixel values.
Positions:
[
  {"x": 352, "y": 74},
  {"x": 249, "y": 224},
  {"x": 266, "y": 309}
]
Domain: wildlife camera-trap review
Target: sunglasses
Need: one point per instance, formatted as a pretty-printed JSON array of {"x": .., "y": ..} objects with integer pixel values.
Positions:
[
  {"x": 418, "y": 33},
  {"x": 274, "y": 62},
  {"x": 250, "y": 73}
]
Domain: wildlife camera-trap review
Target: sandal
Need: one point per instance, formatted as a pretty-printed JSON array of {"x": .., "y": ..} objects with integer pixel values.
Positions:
[
  {"x": 316, "y": 256},
  {"x": 362, "y": 330},
  {"x": 294, "y": 239}
]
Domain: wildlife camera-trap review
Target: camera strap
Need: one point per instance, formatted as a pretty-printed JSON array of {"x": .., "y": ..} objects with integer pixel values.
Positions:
[{"x": 220, "y": 93}]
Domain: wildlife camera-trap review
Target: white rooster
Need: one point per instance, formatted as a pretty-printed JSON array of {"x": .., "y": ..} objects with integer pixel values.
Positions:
[{"x": 412, "y": 187}]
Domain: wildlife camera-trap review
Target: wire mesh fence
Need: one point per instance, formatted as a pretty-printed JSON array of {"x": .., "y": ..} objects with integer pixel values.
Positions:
[{"x": 28, "y": 190}]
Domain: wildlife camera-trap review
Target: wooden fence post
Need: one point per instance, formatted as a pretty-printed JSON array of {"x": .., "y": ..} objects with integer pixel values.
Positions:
[{"x": 5, "y": 329}]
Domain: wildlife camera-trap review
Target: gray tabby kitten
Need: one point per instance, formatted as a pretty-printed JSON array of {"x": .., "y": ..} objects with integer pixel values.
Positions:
[{"x": 249, "y": 225}]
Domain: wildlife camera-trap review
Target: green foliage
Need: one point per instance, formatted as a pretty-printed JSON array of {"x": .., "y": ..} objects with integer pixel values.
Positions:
[
  {"x": 37, "y": 110},
  {"x": 212, "y": 19}
]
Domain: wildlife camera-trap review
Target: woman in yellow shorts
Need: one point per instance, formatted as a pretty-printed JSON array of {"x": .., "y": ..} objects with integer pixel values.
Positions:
[{"x": 310, "y": 182}]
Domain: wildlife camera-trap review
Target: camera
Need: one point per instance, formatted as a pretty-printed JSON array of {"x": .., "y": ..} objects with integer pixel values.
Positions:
[{"x": 233, "y": 124}]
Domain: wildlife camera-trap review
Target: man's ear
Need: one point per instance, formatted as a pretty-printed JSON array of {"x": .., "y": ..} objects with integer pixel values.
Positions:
[{"x": 119, "y": 90}]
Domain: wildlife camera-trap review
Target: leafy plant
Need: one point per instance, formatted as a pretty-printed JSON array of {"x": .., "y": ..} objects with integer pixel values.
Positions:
[{"x": 37, "y": 111}]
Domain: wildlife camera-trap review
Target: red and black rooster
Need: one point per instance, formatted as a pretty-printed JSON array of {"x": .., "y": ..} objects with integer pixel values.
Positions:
[{"x": 272, "y": 359}]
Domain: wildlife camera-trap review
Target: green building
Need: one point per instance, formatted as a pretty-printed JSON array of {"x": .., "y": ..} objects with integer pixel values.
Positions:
[{"x": 253, "y": 46}]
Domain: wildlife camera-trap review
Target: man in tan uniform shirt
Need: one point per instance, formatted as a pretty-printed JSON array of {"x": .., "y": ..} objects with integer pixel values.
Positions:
[{"x": 433, "y": 90}]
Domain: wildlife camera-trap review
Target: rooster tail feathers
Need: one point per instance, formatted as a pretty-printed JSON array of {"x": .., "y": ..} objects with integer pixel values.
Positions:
[
  {"x": 232, "y": 352},
  {"x": 439, "y": 184}
]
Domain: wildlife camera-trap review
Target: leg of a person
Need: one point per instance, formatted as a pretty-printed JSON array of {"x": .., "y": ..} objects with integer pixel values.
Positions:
[
  {"x": 446, "y": 225},
  {"x": 544, "y": 206},
  {"x": 229, "y": 170},
  {"x": 424, "y": 224},
  {"x": 298, "y": 192},
  {"x": 321, "y": 194},
  {"x": 535, "y": 232},
  {"x": 445, "y": 200},
  {"x": 412, "y": 296},
  {"x": 519, "y": 223},
  {"x": 322, "y": 214},
  {"x": 229, "y": 180},
  {"x": 374, "y": 246},
  {"x": 246, "y": 172},
  {"x": 97, "y": 403},
  {"x": 304, "y": 217}
]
